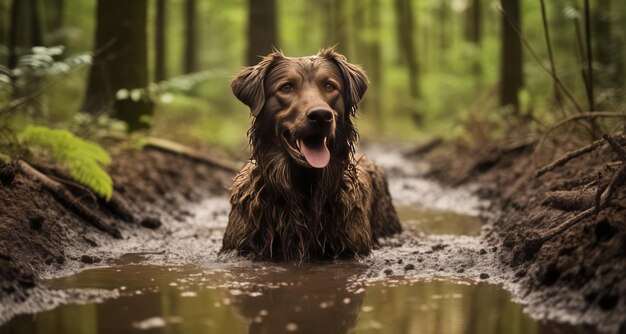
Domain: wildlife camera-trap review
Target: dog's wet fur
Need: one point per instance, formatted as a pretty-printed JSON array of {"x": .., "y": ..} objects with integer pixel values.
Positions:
[{"x": 305, "y": 195}]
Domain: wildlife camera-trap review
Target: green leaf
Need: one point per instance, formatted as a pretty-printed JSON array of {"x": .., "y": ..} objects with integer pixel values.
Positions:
[{"x": 83, "y": 158}]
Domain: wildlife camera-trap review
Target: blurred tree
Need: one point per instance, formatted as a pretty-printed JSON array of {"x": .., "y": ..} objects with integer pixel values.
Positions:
[
  {"x": 443, "y": 13},
  {"x": 336, "y": 25},
  {"x": 262, "y": 33},
  {"x": 120, "y": 62},
  {"x": 511, "y": 75},
  {"x": 191, "y": 48},
  {"x": 55, "y": 16},
  {"x": 25, "y": 30},
  {"x": 4, "y": 51},
  {"x": 607, "y": 48},
  {"x": 160, "y": 42},
  {"x": 405, "y": 23},
  {"x": 473, "y": 31},
  {"x": 374, "y": 66}
]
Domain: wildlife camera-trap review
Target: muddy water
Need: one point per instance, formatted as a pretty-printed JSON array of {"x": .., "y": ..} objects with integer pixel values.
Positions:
[
  {"x": 313, "y": 298},
  {"x": 330, "y": 297}
]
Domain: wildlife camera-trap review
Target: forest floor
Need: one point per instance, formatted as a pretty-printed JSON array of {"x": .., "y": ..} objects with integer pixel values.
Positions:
[{"x": 573, "y": 274}]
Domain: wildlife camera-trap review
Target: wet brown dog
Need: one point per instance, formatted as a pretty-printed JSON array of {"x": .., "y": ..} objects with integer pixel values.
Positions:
[{"x": 304, "y": 195}]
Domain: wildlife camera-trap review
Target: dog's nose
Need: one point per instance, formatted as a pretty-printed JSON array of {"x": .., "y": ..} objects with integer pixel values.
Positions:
[{"x": 320, "y": 115}]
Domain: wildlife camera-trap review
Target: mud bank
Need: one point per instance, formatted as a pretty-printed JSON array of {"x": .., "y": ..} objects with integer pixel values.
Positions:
[
  {"x": 41, "y": 238},
  {"x": 575, "y": 274}
]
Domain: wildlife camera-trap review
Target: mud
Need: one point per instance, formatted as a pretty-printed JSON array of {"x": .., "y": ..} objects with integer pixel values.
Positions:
[
  {"x": 180, "y": 210},
  {"x": 577, "y": 276}
]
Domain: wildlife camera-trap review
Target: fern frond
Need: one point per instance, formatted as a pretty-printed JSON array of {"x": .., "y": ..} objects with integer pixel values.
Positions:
[{"x": 84, "y": 159}]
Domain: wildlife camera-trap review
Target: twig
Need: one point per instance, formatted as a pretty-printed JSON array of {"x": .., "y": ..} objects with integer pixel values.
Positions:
[
  {"x": 589, "y": 56},
  {"x": 176, "y": 148},
  {"x": 617, "y": 180},
  {"x": 616, "y": 147},
  {"x": 569, "y": 156},
  {"x": 69, "y": 200},
  {"x": 546, "y": 31}
]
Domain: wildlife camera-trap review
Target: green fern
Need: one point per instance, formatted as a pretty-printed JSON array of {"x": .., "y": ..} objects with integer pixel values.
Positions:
[{"x": 84, "y": 159}]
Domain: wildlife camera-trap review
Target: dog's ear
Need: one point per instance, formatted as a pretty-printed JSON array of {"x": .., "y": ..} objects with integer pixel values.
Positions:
[
  {"x": 354, "y": 78},
  {"x": 248, "y": 83}
]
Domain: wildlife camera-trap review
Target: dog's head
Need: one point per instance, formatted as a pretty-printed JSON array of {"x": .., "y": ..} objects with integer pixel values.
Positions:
[{"x": 303, "y": 106}]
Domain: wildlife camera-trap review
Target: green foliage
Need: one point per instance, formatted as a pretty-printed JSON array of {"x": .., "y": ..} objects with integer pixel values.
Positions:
[{"x": 84, "y": 159}]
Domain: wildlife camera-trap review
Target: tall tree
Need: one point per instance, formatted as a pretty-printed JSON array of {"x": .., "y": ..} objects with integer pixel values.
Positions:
[
  {"x": 262, "y": 33},
  {"x": 375, "y": 60},
  {"x": 336, "y": 24},
  {"x": 607, "y": 48},
  {"x": 511, "y": 75},
  {"x": 25, "y": 30},
  {"x": 55, "y": 14},
  {"x": 474, "y": 32},
  {"x": 160, "y": 42},
  {"x": 191, "y": 57},
  {"x": 120, "y": 61},
  {"x": 405, "y": 23},
  {"x": 4, "y": 28}
]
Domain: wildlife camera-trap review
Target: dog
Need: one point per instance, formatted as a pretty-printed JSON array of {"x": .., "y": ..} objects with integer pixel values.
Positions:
[{"x": 305, "y": 195}]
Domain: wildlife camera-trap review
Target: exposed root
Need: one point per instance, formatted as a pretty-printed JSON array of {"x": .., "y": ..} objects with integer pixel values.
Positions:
[
  {"x": 602, "y": 199},
  {"x": 569, "y": 156},
  {"x": 69, "y": 200},
  {"x": 172, "y": 147}
]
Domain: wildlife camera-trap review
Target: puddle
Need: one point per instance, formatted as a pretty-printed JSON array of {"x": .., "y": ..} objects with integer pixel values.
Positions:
[
  {"x": 429, "y": 221},
  {"x": 312, "y": 298}
]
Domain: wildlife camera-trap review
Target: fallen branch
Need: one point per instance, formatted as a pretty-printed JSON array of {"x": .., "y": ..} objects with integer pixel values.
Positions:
[
  {"x": 69, "y": 200},
  {"x": 569, "y": 156},
  {"x": 172, "y": 147}
]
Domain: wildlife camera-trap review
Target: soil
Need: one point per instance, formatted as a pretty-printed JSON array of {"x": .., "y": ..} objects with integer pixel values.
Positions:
[
  {"x": 38, "y": 234},
  {"x": 579, "y": 274}
]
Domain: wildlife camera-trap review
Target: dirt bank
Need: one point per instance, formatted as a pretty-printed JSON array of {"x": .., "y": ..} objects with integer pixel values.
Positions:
[
  {"x": 573, "y": 272},
  {"x": 39, "y": 235}
]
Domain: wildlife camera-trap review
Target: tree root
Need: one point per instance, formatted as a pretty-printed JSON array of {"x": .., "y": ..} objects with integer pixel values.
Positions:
[
  {"x": 603, "y": 197},
  {"x": 67, "y": 198},
  {"x": 172, "y": 147},
  {"x": 569, "y": 156}
]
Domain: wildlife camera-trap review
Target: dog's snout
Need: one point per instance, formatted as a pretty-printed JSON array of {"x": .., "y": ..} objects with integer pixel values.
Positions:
[{"x": 319, "y": 116}]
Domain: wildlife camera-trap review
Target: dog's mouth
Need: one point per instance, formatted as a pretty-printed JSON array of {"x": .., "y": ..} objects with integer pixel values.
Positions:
[
  {"x": 309, "y": 150},
  {"x": 314, "y": 150}
]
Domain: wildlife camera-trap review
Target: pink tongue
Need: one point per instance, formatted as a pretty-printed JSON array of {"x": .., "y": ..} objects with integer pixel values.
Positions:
[{"x": 317, "y": 156}]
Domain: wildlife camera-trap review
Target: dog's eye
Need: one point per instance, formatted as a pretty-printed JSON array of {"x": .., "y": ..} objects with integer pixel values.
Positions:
[
  {"x": 286, "y": 88},
  {"x": 329, "y": 87}
]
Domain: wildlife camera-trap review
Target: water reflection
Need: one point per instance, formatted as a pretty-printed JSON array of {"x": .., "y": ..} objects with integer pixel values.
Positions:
[
  {"x": 315, "y": 298},
  {"x": 430, "y": 221}
]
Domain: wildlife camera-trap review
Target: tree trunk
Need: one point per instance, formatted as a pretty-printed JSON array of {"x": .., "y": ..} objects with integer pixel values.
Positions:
[
  {"x": 444, "y": 8},
  {"x": 4, "y": 32},
  {"x": 160, "y": 43},
  {"x": 473, "y": 34},
  {"x": 191, "y": 59},
  {"x": 473, "y": 22},
  {"x": 55, "y": 10},
  {"x": 25, "y": 30},
  {"x": 120, "y": 61},
  {"x": 511, "y": 75},
  {"x": 262, "y": 34},
  {"x": 607, "y": 50},
  {"x": 336, "y": 25},
  {"x": 375, "y": 55},
  {"x": 404, "y": 24}
]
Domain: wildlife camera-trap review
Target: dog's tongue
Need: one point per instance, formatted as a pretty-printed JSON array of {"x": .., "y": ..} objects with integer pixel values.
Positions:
[{"x": 315, "y": 153}]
